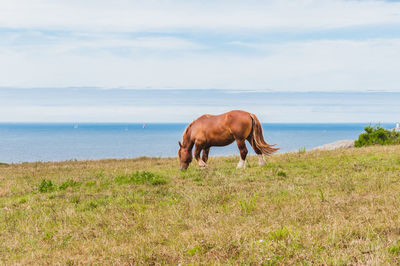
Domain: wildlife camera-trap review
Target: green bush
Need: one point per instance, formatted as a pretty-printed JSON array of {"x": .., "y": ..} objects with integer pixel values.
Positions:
[
  {"x": 377, "y": 135},
  {"x": 46, "y": 186},
  {"x": 281, "y": 173}
]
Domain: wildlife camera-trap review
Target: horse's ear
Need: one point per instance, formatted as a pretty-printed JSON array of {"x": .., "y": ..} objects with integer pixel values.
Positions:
[{"x": 180, "y": 144}]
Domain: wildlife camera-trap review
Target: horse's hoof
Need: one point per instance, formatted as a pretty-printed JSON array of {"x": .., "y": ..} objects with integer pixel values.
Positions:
[
  {"x": 261, "y": 160},
  {"x": 202, "y": 164},
  {"x": 241, "y": 164}
]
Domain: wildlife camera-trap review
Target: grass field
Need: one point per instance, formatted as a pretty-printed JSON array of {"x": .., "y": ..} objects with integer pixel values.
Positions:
[{"x": 336, "y": 207}]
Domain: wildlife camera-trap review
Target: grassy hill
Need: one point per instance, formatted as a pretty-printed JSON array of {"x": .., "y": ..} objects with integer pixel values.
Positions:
[{"x": 336, "y": 207}]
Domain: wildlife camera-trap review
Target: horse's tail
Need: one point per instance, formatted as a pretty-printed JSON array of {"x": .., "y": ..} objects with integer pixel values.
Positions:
[{"x": 257, "y": 140}]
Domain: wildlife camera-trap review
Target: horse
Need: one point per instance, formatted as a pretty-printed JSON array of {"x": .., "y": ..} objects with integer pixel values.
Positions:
[{"x": 221, "y": 130}]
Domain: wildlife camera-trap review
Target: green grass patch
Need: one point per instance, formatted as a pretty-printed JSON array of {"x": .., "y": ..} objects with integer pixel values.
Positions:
[
  {"x": 91, "y": 183},
  {"x": 144, "y": 177},
  {"x": 279, "y": 234},
  {"x": 68, "y": 183},
  {"x": 23, "y": 200},
  {"x": 194, "y": 251},
  {"x": 248, "y": 205},
  {"x": 395, "y": 249}
]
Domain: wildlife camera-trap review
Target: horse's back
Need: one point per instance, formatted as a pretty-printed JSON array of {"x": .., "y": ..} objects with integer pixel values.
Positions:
[
  {"x": 240, "y": 123},
  {"x": 220, "y": 130}
]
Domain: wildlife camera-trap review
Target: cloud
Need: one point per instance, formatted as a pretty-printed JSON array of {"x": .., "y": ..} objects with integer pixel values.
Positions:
[
  {"x": 303, "y": 45},
  {"x": 165, "y": 62},
  {"x": 168, "y": 15}
]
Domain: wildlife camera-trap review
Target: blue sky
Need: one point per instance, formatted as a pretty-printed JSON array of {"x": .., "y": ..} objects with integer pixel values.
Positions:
[{"x": 259, "y": 46}]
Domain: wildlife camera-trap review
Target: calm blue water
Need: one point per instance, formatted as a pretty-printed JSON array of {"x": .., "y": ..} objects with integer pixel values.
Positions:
[{"x": 55, "y": 142}]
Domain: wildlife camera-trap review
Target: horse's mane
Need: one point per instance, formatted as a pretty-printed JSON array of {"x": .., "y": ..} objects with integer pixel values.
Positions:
[{"x": 184, "y": 136}]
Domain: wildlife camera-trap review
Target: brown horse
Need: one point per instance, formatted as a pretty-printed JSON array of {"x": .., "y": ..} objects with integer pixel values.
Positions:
[{"x": 221, "y": 130}]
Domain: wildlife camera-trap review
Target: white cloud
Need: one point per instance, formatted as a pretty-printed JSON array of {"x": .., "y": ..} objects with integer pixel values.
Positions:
[
  {"x": 168, "y": 15},
  {"x": 152, "y": 43},
  {"x": 325, "y": 65}
]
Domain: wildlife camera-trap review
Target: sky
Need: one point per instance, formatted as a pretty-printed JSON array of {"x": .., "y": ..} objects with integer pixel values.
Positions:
[{"x": 307, "y": 50}]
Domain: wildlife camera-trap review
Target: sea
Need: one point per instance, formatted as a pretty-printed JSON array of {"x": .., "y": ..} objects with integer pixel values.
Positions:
[{"x": 31, "y": 142}]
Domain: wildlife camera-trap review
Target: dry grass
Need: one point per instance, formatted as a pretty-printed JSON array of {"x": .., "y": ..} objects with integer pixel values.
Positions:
[{"x": 337, "y": 207}]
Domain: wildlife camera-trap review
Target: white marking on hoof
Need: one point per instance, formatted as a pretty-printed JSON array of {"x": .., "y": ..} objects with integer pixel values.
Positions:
[
  {"x": 202, "y": 163},
  {"x": 241, "y": 164},
  {"x": 261, "y": 160}
]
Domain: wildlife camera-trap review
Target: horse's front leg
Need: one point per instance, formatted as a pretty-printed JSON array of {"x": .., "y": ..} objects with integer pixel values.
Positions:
[
  {"x": 243, "y": 153},
  {"x": 197, "y": 152},
  {"x": 205, "y": 154}
]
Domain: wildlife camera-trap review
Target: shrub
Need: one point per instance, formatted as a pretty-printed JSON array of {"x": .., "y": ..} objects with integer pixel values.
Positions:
[
  {"x": 46, "y": 186},
  {"x": 281, "y": 173},
  {"x": 377, "y": 135}
]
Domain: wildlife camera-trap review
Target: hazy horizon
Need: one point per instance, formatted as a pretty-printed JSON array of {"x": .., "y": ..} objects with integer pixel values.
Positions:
[{"x": 182, "y": 106}]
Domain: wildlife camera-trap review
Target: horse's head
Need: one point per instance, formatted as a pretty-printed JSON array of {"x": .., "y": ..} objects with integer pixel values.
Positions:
[{"x": 184, "y": 156}]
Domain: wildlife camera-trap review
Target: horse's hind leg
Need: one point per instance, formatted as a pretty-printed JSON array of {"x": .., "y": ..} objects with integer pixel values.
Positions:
[
  {"x": 243, "y": 153},
  {"x": 261, "y": 160},
  {"x": 205, "y": 154},
  {"x": 197, "y": 151}
]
